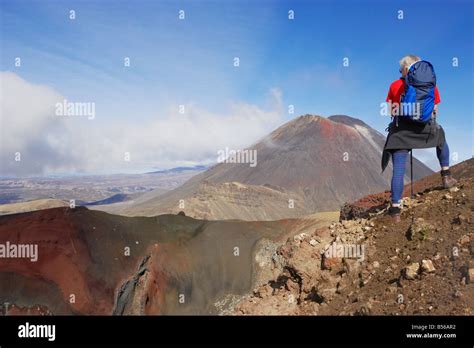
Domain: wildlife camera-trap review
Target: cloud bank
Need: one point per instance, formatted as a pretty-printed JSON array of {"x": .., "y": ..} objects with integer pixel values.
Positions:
[{"x": 51, "y": 144}]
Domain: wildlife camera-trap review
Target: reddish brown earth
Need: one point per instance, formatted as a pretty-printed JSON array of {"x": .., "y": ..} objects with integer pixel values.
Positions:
[
  {"x": 379, "y": 201},
  {"x": 64, "y": 257},
  {"x": 33, "y": 310},
  {"x": 81, "y": 253},
  {"x": 434, "y": 238}
]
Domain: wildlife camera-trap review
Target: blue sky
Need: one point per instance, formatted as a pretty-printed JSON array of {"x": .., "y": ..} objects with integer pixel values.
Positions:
[{"x": 191, "y": 62}]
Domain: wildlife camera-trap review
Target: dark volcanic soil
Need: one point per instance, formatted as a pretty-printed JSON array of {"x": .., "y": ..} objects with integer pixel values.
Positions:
[
  {"x": 421, "y": 265},
  {"x": 445, "y": 238}
]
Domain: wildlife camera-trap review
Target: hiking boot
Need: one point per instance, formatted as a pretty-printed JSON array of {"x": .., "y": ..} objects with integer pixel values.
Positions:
[
  {"x": 394, "y": 213},
  {"x": 448, "y": 180}
]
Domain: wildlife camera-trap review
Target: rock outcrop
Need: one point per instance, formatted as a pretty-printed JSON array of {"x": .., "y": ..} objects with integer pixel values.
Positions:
[{"x": 372, "y": 265}]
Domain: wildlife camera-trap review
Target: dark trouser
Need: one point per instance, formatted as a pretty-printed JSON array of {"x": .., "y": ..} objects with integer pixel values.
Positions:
[{"x": 399, "y": 160}]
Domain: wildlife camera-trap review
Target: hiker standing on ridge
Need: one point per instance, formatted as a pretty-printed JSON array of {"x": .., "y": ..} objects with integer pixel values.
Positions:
[{"x": 414, "y": 98}]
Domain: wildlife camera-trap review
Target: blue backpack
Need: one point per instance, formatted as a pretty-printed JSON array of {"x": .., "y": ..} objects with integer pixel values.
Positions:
[{"x": 418, "y": 99}]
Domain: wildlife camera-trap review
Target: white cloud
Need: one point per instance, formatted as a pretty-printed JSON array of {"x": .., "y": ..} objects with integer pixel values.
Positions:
[
  {"x": 52, "y": 144},
  {"x": 26, "y": 110}
]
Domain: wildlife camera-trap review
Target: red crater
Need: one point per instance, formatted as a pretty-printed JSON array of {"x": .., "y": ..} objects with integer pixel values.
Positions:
[{"x": 63, "y": 257}]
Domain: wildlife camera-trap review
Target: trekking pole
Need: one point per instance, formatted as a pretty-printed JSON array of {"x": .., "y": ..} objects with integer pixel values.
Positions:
[{"x": 411, "y": 173}]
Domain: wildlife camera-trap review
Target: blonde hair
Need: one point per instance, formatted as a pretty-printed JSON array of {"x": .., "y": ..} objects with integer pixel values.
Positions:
[{"x": 408, "y": 60}]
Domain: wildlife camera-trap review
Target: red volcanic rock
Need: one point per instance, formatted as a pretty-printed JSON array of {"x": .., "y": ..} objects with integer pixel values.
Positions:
[
  {"x": 12, "y": 309},
  {"x": 376, "y": 202},
  {"x": 329, "y": 128},
  {"x": 365, "y": 206},
  {"x": 87, "y": 262},
  {"x": 82, "y": 255},
  {"x": 63, "y": 257},
  {"x": 375, "y": 283}
]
